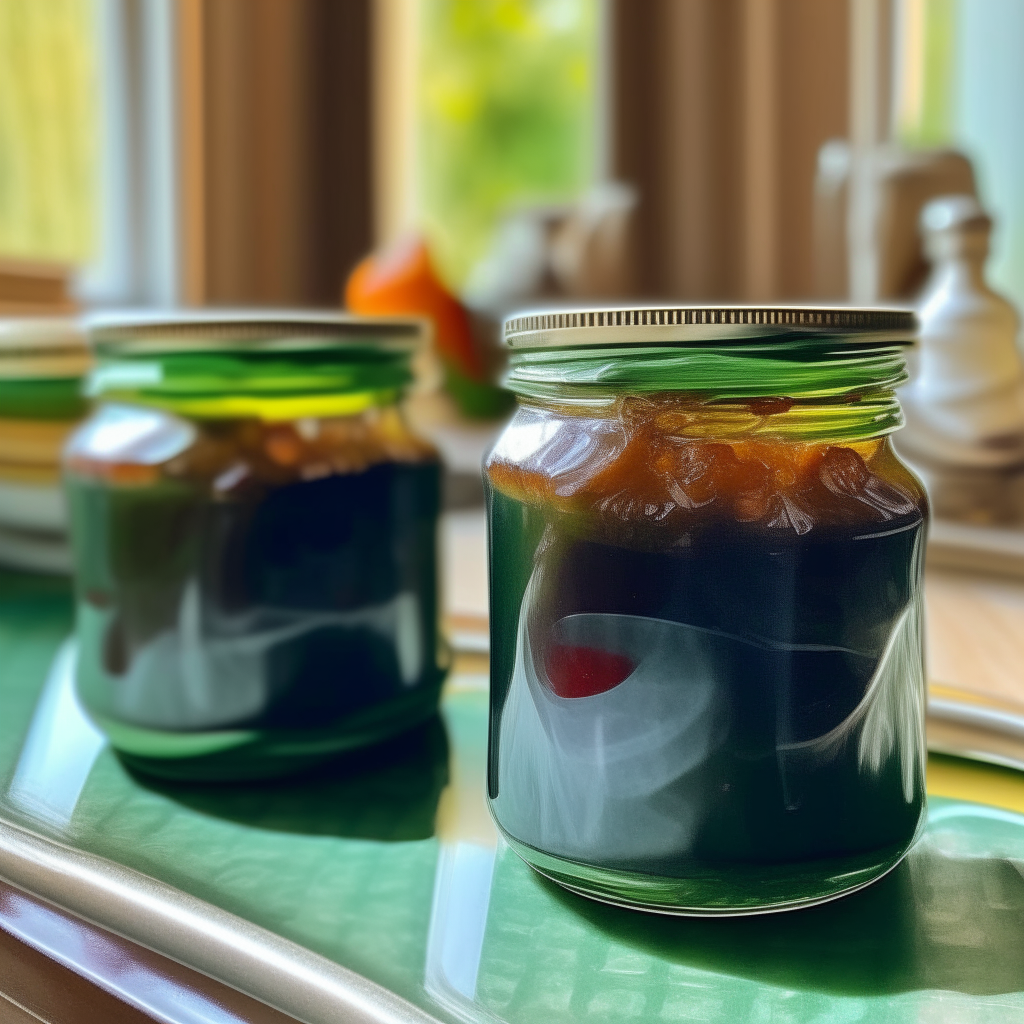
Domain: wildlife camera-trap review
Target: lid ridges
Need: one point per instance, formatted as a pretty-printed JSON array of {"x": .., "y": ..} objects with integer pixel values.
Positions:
[
  {"x": 844, "y": 320},
  {"x": 212, "y": 325}
]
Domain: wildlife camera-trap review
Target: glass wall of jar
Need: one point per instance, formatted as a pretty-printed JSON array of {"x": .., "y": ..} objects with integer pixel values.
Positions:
[
  {"x": 707, "y": 684},
  {"x": 254, "y": 531}
]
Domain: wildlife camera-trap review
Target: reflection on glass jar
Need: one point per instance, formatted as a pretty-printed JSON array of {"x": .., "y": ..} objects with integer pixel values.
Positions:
[
  {"x": 707, "y": 673},
  {"x": 254, "y": 529}
]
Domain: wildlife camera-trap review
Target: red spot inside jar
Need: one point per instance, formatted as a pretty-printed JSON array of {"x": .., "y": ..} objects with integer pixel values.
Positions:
[{"x": 577, "y": 671}]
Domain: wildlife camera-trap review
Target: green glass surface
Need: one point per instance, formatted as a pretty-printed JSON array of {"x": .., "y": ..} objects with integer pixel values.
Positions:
[
  {"x": 345, "y": 862},
  {"x": 36, "y": 614},
  {"x": 937, "y": 940}
]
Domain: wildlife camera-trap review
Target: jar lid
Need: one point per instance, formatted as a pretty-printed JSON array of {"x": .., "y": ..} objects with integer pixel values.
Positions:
[
  {"x": 147, "y": 332},
  {"x": 696, "y": 325},
  {"x": 271, "y": 364}
]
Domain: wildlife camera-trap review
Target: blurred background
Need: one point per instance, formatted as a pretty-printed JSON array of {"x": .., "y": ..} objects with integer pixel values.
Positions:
[
  {"x": 461, "y": 159},
  {"x": 251, "y": 151},
  {"x": 464, "y": 158}
]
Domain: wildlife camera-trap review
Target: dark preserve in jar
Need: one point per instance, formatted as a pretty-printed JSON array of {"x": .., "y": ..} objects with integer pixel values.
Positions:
[
  {"x": 707, "y": 673},
  {"x": 255, "y": 530}
]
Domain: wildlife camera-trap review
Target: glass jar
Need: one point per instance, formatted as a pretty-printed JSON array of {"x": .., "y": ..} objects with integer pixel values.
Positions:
[
  {"x": 707, "y": 685},
  {"x": 254, "y": 530}
]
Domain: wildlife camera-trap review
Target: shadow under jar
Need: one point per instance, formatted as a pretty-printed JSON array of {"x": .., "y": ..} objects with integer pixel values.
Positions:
[
  {"x": 254, "y": 530},
  {"x": 707, "y": 684}
]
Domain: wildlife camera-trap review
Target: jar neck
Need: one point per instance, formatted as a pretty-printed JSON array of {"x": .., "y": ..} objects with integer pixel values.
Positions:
[
  {"x": 687, "y": 416},
  {"x": 802, "y": 388}
]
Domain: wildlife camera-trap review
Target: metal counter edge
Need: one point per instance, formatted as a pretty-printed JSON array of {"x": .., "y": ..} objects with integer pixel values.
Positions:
[{"x": 223, "y": 946}]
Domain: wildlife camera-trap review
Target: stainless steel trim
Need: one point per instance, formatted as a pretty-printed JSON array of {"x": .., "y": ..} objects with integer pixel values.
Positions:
[
  {"x": 223, "y": 946},
  {"x": 946, "y": 736},
  {"x": 977, "y": 716}
]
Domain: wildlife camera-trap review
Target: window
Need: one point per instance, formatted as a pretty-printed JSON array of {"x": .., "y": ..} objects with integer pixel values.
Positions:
[
  {"x": 48, "y": 130},
  {"x": 961, "y": 83},
  {"x": 506, "y": 114}
]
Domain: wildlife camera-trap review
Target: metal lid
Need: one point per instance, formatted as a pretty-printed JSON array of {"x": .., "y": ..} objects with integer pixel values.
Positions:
[
  {"x": 146, "y": 332},
  {"x": 691, "y": 325}
]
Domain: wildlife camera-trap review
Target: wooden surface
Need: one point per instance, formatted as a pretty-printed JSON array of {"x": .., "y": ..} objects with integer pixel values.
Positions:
[{"x": 975, "y": 629}]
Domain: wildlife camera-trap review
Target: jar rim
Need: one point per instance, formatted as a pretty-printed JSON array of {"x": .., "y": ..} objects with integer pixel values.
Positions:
[
  {"x": 237, "y": 331},
  {"x": 700, "y": 324}
]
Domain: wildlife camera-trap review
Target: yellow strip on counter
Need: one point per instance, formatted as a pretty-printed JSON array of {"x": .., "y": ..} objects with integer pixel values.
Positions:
[{"x": 961, "y": 779}]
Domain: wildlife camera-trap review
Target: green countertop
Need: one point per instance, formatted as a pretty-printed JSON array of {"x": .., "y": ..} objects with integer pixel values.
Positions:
[{"x": 386, "y": 863}]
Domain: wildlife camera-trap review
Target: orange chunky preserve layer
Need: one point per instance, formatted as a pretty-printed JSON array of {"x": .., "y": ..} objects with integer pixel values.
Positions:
[
  {"x": 230, "y": 454},
  {"x": 653, "y": 464}
]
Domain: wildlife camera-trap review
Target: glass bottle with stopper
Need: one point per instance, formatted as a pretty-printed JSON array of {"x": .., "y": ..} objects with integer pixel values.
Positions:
[{"x": 965, "y": 404}]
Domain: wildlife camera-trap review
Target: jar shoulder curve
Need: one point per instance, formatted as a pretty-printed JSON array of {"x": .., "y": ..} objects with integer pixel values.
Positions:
[{"x": 890, "y": 466}]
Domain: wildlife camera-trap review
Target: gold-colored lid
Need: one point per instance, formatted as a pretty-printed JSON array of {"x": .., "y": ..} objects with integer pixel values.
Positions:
[
  {"x": 699, "y": 324},
  {"x": 148, "y": 332}
]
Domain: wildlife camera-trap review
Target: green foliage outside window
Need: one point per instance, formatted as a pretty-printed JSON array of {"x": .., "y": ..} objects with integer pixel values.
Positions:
[
  {"x": 931, "y": 122},
  {"x": 48, "y": 129},
  {"x": 507, "y": 98}
]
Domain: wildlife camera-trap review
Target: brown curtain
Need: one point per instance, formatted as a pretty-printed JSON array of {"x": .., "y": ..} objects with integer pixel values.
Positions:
[
  {"x": 719, "y": 109},
  {"x": 276, "y": 130}
]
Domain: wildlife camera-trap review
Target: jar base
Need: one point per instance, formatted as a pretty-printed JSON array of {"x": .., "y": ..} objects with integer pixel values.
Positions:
[
  {"x": 248, "y": 754},
  {"x": 727, "y": 891}
]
